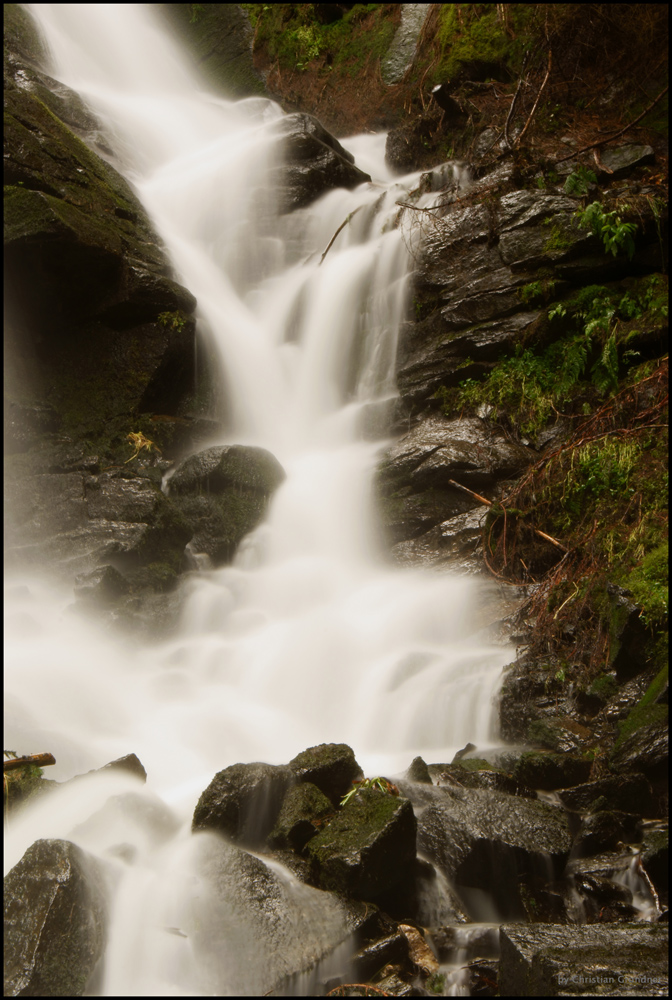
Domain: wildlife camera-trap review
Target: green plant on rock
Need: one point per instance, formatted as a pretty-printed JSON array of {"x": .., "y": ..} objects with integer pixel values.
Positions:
[
  {"x": 615, "y": 234},
  {"x": 172, "y": 320},
  {"x": 579, "y": 181},
  {"x": 380, "y": 784}
]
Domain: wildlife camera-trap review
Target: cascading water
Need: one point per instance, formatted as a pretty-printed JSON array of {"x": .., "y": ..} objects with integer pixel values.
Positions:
[{"x": 309, "y": 637}]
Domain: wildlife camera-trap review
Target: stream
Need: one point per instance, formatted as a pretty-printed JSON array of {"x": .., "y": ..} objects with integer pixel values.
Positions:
[{"x": 310, "y": 636}]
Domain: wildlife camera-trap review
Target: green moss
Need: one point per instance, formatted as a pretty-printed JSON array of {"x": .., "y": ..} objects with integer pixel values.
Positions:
[
  {"x": 649, "y": 584},
  {"x": 646, "y": 712}
]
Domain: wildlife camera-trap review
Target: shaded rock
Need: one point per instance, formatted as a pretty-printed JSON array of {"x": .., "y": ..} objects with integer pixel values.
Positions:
[
  {"x": 646, "y": 750},
  {"x": 104, "y": 584},
  {"x": 549, "y": 771},
  {"x": 315, "y": 162},
  {"x": 621, "y": 160},
  {"x": 243, "y": 908},
  {"x": 422, "y": 896},
  {"x": 655, "y": 857},
  {"x": 455, "y": 542},
  {"x": 605, "y": 829},
  {"x": 554, "y": 961},
  {"x": 493, "y": 841},
  {"x": 628, "y": 793},
  {"x": 562, "y": 734},
  {"x": 604, "y": 899},
  {"x": 55, "y": 917},
  {"x": 130, "y": 764},
  {"x": 413, "y": 483},
  {"x": 243, "y": 802},
  {"x": 628, "y": 634},
  {"x": 303, "y": 807},
  {"x": 222, "y": 493},
  {"x": 330, "y": 766},
  {"x": 402, "y": 48},
  {"x": 373, "y": 957},
  {"x": 471, "y": 941},
  {"x": 365, "y": 849}
]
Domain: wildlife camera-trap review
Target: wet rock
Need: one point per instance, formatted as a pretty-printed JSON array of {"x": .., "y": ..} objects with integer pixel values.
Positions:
[
  {"x": 303, "y": 809},
  {"x": 55, "y": 918},
  {"x": 222, "y": 493},
  {"x": 242, "y": 909},
  {"x": 655, "y": 857},
  {"x": 644, "y": 750},
  {"x": 553, "y": 961},
  {"x": 315, "y": 162},
  {"x": 604, "y": 899},
  {"x": 219, "y": 38},
  {"x": 605, "y": 829},
  {"x": 418, "y": 772},
  {"x": 561, "y": 734},
  {"x": 471, "y": 941},
  {"x": 630, "y": 792},
  {"x": 401, "y": 50},
  {"x": 371, "y": 959},
  {"x": 330, "y": 766},
  {"x": 549, "y": 771},
  {"x": 621, "y": 160},
  {"x": 104, "y": 584},
  {"x": 243, "y": 802},
  {"x": 493, "y": 841},
  {"x": 421, "y": 895},
  {"x": 367, "y": 846},
  {"x": 455, "y": 542},
  {"x": 483, "y": 978},
  {"x": 628, "y": 635},
  {"x": 420, "y": 952},
  {"x": 414, "y": 478}
]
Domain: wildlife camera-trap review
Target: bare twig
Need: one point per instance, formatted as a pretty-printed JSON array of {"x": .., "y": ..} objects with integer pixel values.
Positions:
[
  {"x": 534, "y": 106},
  {"x": 342, "y": 226},
  {"x": 488, "y": 503},
  {"x": 602, "y": 142},
  {"x": 507, "y": 141}
]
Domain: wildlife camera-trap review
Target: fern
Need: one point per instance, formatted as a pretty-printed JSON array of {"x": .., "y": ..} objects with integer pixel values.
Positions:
[{"x": 604, "y": 373}]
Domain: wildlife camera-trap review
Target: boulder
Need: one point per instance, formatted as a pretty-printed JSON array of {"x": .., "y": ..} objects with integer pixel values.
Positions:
[
  {"x": 304, "y": 807},
  {"x": 243, "y": 802},
  {"x": 330, "y": 766},
  {"x": 455, "y": 543},
  {"x": 489, "y": 840},
  {"x": 55, "y": 921},
  {"x": 367, "y": 846},
  {"x": 604, "y": 829},
  {"x": 243, "y": 909},
  {"x": 627, "y": 792},
  {"x": 622, "y": 160},
  {"x": 222, "y": 493},
  {"x": 314, "y": 162},
  {"x": 616, "y": 960},
  {"x": 549, "y": 771}
]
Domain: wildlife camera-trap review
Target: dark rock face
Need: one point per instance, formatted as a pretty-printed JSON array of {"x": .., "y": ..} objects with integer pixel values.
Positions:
[
  {"x": 486, "y": 839},
  {"x": 223, "y": 493},
  {"x": 315, "y": 162},
  {"x": 219, "y": 37},
  {"x": 366, "y": 847},
  {"x": 331, "y": 767},
  {"x": 538, "y": 960},
  {"x": 243, "y": 802},
  {"x": 414, "y": 479},
  {"x": 303, "y": 807},
  {"x": 55, "y": 915}
]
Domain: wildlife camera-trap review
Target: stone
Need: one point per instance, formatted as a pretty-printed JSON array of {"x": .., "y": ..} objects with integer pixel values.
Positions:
[
  {"x": 622, "y": 160},
  {"x": 604, "y": 829},
  {"x": 303, "y": 809},
  {"x": 366, "y": 847},
  {"x": 617, "y": 960},
  {"x": 489, "y": 840},
  {"x": 315, "y": 162},
  {"x": 243, "y": 802},
  {"x": 330, "y": 766},
  {"x": 628, "y": 792},
  {"x": 549, "y": 771},
  {"x": 55, "y": 921}
]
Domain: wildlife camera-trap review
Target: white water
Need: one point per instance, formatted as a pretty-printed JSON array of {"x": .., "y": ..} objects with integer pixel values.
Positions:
[{"x": 309, "y": 637}]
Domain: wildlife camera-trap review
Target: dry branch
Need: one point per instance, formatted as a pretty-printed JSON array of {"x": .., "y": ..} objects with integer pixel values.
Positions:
[
  {"x": 37, "y": 759},
  {"x": 602, "y": 142},
  {"x": 534, "y": 106},
  {"x": 342, "y": 226},
  {"x": 488, "y": 503}
]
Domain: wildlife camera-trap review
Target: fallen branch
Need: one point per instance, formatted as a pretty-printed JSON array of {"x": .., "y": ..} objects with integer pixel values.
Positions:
[
  {"x": 534, "y": 106},
  {"x": 488, "y": 503},
  {"x": 38, "y": 759},
  {"x": 602, "y": 142},
  {"x": 342, "y": 226}
]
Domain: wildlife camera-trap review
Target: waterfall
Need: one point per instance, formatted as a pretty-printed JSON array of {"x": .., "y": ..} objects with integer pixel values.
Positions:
[{"x": 309, "y": 637}]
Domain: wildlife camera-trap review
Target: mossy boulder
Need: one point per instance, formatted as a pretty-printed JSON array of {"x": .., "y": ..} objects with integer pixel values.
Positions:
[
  {"x": 330, "y": 766},
  {"x": 367, "y": 847},
  {"x": 304, "y": 808},
  {"x": 55, "y": 921}
]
